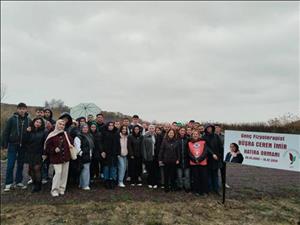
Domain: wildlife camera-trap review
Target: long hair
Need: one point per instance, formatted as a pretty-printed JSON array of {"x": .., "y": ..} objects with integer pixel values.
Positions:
[{"x": 166, "y": 137}]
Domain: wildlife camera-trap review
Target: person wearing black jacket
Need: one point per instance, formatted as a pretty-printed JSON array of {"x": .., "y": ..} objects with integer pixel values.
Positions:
[
  {"x": 34, "y": 140},
  {"x": 13, "y": 140},
  {"x": 183, "y": 170},
  {"x": 215, "y": 157},
  {"x": 234, "y": 156},
  {"x": 95, "y": 163},
  {"x": 111, "y": 150},
  {"x": 135, "y": 155},
  {"x": 84, "y": 143},
  {"x": 158, "y": 142},
  {"x": 169, "y": 157}
]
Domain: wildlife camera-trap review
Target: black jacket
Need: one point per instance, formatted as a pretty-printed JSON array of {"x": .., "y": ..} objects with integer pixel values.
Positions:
[
  {"x": 111, "y": 146},
  {"x": 98, "y": 142},
  {"x": 183, "y": 152},
  {"x": 238, "y": 159},
  {"x": 215, "y": 146},
  {"x": 15, "y": 129},
  {"x": 85, "y": 148},
  {"x": 169, "y": 151},
  {"x": 134, "y": 144},
  {"x": 50, "y": 119}
]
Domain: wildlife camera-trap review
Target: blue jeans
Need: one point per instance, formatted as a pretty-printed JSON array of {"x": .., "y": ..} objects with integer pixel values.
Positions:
[
  {"x": 110, "y": 172},
  {"x": 84, "y": 180},
  {"x": 183, "y": 178},
  {"x": 213, "y": 180},
  {"x": 122, "y": 161},
  {"x": 14, "y": 153}
]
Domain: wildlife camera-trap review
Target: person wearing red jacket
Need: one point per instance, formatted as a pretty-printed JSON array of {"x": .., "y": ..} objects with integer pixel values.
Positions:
[
  {"x": 198, "y": 150},
  {"x": 58, "y": 150}
]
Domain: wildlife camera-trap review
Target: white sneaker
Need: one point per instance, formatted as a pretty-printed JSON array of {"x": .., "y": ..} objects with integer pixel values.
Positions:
[
  {"x": 86, "y": 188},
  {"x": 21, "y": 185},
  {"x": 139, "y": 184},
  {"x": 7, "y": 187},
  {"x": 61, "y": 193},
  {"x": 227, "y": 186},
  {"x": 121, "y": 185},
  {"x": 30, "y": 181},
  {"x": 149, "y": 186},
  {"x": 155, "y": 186},
  {"x": 54, "y": 194},
  {"x": 132, "y": 185},
  {"x": 44, "y": 181}
]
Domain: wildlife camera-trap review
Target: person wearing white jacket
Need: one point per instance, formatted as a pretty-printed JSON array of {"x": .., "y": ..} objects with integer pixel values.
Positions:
[{"x": 122, "y": 158}]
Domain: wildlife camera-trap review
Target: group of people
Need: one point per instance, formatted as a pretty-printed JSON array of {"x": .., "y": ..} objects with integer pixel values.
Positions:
[{"x": 170, "y": 156}]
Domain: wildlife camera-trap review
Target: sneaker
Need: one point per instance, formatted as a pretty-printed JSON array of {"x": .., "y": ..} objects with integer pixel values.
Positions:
[
  {"x": 30, "y": 181},
  {"x": 149, "y": 186},
  {"x": 44, "y": 181},
  {"x": 128, "y": 179},
  {"x": 139, "y": 184},
  {"x": 162, "y": 187},
  {"x": 132, "y": 185},
  {"x": 54, "y": 194},
  {"x": 7, "y": 187},
  {"x": 227, "y": 186},
  {"x": 61, "y": 193},
  {"x": 121, "y": 185},
  {"x": 155, "y": 186},
  {"x": 86, "y": 188},
  {"x": 21, "y": 185}
]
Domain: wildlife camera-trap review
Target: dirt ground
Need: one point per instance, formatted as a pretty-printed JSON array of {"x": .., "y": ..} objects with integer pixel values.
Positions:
[{"x": 256, "y": 196}]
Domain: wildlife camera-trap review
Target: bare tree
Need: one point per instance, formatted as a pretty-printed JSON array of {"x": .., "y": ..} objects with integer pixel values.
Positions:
[{"x": 56, "y": 104}]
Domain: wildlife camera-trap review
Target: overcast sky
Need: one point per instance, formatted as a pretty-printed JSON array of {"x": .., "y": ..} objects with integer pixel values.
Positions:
[{"x": 165, "y": 61}]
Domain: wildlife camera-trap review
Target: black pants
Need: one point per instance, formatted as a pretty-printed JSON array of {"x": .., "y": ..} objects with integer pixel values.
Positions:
[
  {"x": 170, "y": 176},
  {"x": 95, "y": 168},
  {"x": 200, "y": 179},
  {"x": 152, "y": 170},
  {"x": 135, "y": 169}
]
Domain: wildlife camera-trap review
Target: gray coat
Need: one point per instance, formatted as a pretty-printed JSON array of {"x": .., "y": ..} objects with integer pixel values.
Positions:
[{"x": 148, "y": 151}]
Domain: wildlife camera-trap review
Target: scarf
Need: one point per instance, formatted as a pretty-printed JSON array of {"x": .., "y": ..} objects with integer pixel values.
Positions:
[{"x": 54, "y": 133}]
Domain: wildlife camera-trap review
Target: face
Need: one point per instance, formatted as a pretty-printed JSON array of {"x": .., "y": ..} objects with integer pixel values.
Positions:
[
  {"x": 117, "y": 124},
  {"x": 47, "y": 114},
  {"x": 136, "y": 130},
  {"x": 195, "y": 135},
  {"x": 65, "y": 119},
  {"x": 145, "y": 126},
  {"x": 60, "y": 125},
  {"x": 100, "y": 119},
  {"x": 124, "y": 130},
  {"x": 110, "y": 126},
  {"x": 201, "y": 129},
  {"x": 232, "y": 148},
  {"x": 158, "y": 131},
  {"x": 209, "y": 130},
  {"x": 93, "y": 128},
  {"x": 196, "y": 125},
  {"x": 166, "y": 127},
  {"x": 152, "y": 129},
  {"x": 135, "y": 120},
  {"x": 189, "y": 131},
  {"x": 182, "y": 132},
  {"x": 42, "y": 113},
  {"x": 171, "y": 134},
  {"x": 38, "y": 113},
  {"x": 218, "y": 129},
  {"x": 82, "y": 121},
  {"x": 85, "y": 129},
  {"x": 126, "y": 122},
  {"x": 21, "y": 111},
  {"x": 90, "y": 118},
  {"x": 37, "y": 123}
]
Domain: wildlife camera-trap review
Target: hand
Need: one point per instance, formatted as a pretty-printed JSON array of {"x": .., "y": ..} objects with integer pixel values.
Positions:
[
  {"x": 177, "y": 162},
  {"x": 44, "y": 157},
  {"x": 160, "y": 163},
  {"x": 215, "y": 157},
  {"x": 28, "y": 129},
  {"x": 57, "y": 150},
  {"x": 103, "y": 154}
]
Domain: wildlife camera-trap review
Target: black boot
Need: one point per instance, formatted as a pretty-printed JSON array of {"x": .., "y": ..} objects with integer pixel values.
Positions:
[
  {"x": 34, "y": 187},
  {"x": 106, "y": 184}
]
